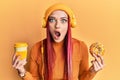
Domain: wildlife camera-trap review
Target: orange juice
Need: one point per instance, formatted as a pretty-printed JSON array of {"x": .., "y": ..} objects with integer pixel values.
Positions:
[{"x": 21, "y": 50}]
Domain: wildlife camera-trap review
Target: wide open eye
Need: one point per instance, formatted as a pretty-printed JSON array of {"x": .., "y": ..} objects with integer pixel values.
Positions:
[
  {"x": 51, "y": 19},
  {"x": 64, "y": 20}
]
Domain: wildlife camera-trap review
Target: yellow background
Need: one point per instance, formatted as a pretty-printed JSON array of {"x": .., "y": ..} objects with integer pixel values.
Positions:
[{"x": 98, "y": 20}]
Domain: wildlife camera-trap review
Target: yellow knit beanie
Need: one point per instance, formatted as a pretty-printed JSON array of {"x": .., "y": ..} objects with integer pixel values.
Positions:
[{"x": 63, "y": 7}]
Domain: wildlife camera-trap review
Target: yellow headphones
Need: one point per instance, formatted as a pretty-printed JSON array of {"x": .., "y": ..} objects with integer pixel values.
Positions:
[{"x": 63, "y": 7}]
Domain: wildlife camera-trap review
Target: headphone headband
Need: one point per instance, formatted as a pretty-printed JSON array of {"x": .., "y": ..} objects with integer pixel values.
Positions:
[{"x": 59, "y": 7}]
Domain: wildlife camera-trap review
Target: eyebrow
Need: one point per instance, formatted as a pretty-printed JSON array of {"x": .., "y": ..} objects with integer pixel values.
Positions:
[{"x": 51, "y": 17}]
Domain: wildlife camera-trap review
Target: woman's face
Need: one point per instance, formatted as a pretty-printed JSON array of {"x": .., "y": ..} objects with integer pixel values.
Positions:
[{"x": 58, "y": 23}]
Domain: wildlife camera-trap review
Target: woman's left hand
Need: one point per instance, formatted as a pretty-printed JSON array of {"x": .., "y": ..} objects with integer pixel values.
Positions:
[{"x": 97, "y": 63}]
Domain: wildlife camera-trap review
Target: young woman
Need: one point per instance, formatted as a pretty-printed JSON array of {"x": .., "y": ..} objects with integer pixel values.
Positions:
[{"x": 59, "y": 56}]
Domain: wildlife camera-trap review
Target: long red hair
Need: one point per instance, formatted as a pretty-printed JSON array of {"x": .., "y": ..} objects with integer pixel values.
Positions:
[{"x": 50, "y": 54}]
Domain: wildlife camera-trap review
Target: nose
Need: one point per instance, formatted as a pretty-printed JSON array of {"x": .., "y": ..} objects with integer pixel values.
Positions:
[{"x": 57, "y": 25}]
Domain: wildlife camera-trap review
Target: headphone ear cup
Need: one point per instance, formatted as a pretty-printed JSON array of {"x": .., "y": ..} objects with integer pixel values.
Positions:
[
  {"x": 43, "y": 23},
  {"x": 73, "y": 23}
]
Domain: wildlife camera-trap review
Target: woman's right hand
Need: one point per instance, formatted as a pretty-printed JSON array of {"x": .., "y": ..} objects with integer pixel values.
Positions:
[{"x": 19, "y": 64}]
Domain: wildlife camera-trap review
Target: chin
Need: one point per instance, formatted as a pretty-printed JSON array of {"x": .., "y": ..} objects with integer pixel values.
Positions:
[{"x": 58, "y": 41}]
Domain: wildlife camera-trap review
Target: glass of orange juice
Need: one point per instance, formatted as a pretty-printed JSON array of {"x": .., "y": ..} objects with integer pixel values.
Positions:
[{"x": 21, "y": 50}]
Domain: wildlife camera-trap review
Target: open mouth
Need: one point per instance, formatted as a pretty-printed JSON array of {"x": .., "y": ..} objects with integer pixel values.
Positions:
[{"x": 57, "y": 33}]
